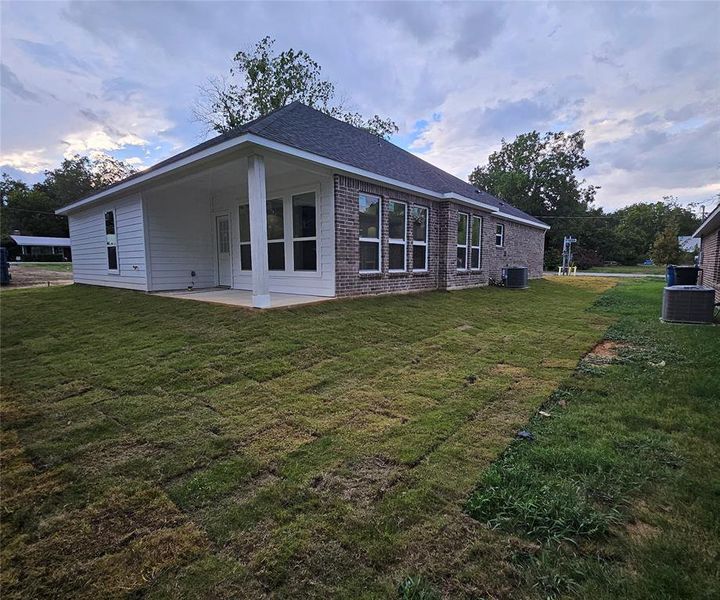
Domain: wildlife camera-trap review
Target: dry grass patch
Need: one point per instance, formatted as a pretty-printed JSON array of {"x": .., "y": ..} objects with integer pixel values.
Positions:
[{"x": 363, "y": 482}]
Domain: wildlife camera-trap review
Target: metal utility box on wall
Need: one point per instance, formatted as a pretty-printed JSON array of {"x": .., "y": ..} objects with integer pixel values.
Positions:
[{"x": 688, "y": 304}]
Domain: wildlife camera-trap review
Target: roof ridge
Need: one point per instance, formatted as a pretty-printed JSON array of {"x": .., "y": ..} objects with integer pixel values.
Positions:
[{"x": 257, "y": 125}]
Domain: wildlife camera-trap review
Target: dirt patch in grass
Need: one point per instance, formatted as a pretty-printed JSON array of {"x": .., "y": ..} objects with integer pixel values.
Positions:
[
  {"x": 363, "y": 482},
  {"x": 607, "y": 349},
  {"x": 641, "y": 531},
  {"x": 23, "y": 277}
]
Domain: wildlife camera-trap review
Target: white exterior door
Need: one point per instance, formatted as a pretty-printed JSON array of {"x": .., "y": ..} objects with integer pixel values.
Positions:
[{"x": 224, "y": 256}]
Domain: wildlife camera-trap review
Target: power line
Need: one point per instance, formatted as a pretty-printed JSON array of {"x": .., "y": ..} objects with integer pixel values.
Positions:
[
  {"x": 39, "y": 212},
  {"x": 577, "y": 217}
]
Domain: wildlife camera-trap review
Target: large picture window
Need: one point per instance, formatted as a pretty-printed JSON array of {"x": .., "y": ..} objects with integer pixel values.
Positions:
[
  {"x": 111, "y": 241},
  {"x": 276, "y": 235},
  {"x": 397, "y": 235},
  {"x": 245, "y": 253},
  {"x": 499, "y": 235},
  {"x": 475, "y": 243},
  {"x": 420, "y": 238},
  {"x": 462, "y": 242},
  {"x": 304, "y": 214},
  {"x": 369, "y": 208}
]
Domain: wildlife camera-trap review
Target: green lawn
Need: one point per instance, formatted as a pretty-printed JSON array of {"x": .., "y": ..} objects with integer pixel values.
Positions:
[
  {"x": 62, "y": 267},
  {"x": 174, "y": 449},
  {"x": 650, "y": 270}
]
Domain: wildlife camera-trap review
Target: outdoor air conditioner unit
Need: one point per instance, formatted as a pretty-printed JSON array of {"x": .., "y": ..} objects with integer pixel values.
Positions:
[{"x": 688, "y": 304}]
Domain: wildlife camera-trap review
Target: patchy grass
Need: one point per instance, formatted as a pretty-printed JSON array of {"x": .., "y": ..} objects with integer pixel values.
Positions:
[
  {"x": 617, "y": 495},
  {"x": 159, "y": 448},
  {"x": 318, "y": 451},
  {"x": 635, "y": 269},
  {"x": 63, "y": 267}
]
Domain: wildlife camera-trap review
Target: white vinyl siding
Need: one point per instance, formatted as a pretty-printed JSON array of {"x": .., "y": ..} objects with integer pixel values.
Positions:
[
  {"x": 181, "y": 239},
  {"x": 89, "y": 244}
]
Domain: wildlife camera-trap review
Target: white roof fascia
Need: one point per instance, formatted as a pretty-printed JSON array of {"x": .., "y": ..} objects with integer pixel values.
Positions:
[
  {"x": 291, "y": 151},
  {"x": 711, "y": 217}
]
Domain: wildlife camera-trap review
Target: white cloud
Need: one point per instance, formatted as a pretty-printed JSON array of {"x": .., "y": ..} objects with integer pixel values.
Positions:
[
  {"x": 30, "y": 161},
  {"x": 640, "y": 78}
]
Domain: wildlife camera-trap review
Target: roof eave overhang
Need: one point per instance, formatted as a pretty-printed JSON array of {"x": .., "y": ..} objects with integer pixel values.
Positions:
[
  {"x": 137, "y": 182},
  {"x": 709, "y": 224}
]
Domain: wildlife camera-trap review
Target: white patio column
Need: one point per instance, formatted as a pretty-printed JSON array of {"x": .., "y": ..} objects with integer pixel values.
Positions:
[{"x": 258, "y": 231}]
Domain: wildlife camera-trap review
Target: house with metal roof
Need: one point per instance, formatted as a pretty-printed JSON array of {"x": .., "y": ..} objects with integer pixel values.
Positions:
[
  {"x": 33, "y": 247},
  {"x": 297, "y": 203}
]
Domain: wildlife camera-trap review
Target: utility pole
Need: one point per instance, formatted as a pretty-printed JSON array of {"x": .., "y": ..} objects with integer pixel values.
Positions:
[{"x": 567, "y": 254}]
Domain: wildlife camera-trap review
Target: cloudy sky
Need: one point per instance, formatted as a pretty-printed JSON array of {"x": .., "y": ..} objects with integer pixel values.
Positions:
[{"x": 642, "y": 79}]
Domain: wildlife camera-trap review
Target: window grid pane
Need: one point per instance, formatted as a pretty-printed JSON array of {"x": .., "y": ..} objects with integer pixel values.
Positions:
[
  {"x": 111, "y": 241},
  {"x": 275, "y": 221},
  {"x": 369, "y": 211},
  {"x": 397, "y": 229},
  {"x": 276, "y": 256},
  {"x": 369, "y": 207},
  {"x": 304, "y": 215},
  {"x": 305, "y": 255},
  {"x": 475, "y": 243},
  {"x": 420, "y": 235},
  {"x": 462, "y": 242},
  {"x": 499, "y": 235},
  {"x": 369, "y": 256}
]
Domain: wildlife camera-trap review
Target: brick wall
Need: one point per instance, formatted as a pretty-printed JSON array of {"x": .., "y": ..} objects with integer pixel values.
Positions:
[
  {"x": 523, "y": 245},
  {"x": 710, "y": 264},
  {"x": 348, "y": 280}
]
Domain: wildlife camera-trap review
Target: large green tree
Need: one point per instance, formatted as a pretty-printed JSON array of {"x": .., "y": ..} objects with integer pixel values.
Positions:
[
  {"x": 540, "y": 175},
  {"x": 638, "y": 226},
  {"x": 30, "y": 209},
  {"x": 264, "y": 80}
]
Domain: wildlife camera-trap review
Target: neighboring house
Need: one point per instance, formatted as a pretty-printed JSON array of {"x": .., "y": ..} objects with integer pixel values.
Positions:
[
  {"x": 41, "y": 248},
  {"x": 298, "y": 202},
  {"x": 688, "y": 243},
  {"x": 709, "y": 234}
]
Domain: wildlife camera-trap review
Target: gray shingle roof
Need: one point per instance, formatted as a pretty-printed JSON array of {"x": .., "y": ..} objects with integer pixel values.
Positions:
[{"x": 310, "y": 130}]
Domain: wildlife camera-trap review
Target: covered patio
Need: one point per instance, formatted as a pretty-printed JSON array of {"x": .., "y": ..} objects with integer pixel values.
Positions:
[
  {"x": 242, "y": 298},
  {"x": 249, "y": 229}
]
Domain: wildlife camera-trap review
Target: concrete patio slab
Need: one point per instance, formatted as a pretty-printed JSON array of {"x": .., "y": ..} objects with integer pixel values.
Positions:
[{"x": 240, "y": 297}]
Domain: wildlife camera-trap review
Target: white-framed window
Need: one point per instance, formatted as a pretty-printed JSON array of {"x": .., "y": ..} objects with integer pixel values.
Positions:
[
  {"x": 111, "y": 241},
  {"x": 420, "y": 238},
  {"x": 244, "y": 237},
  {"x": 475, "y": 243},
  {"x": 304, "y": 232},
  {"x": 370, "y": 225},
  {"x": 397, "y": 236},
  {"x": 462, "y": 241},
  {"x": 499, "y": 235},
  {"x": 275, "y": 234}
]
